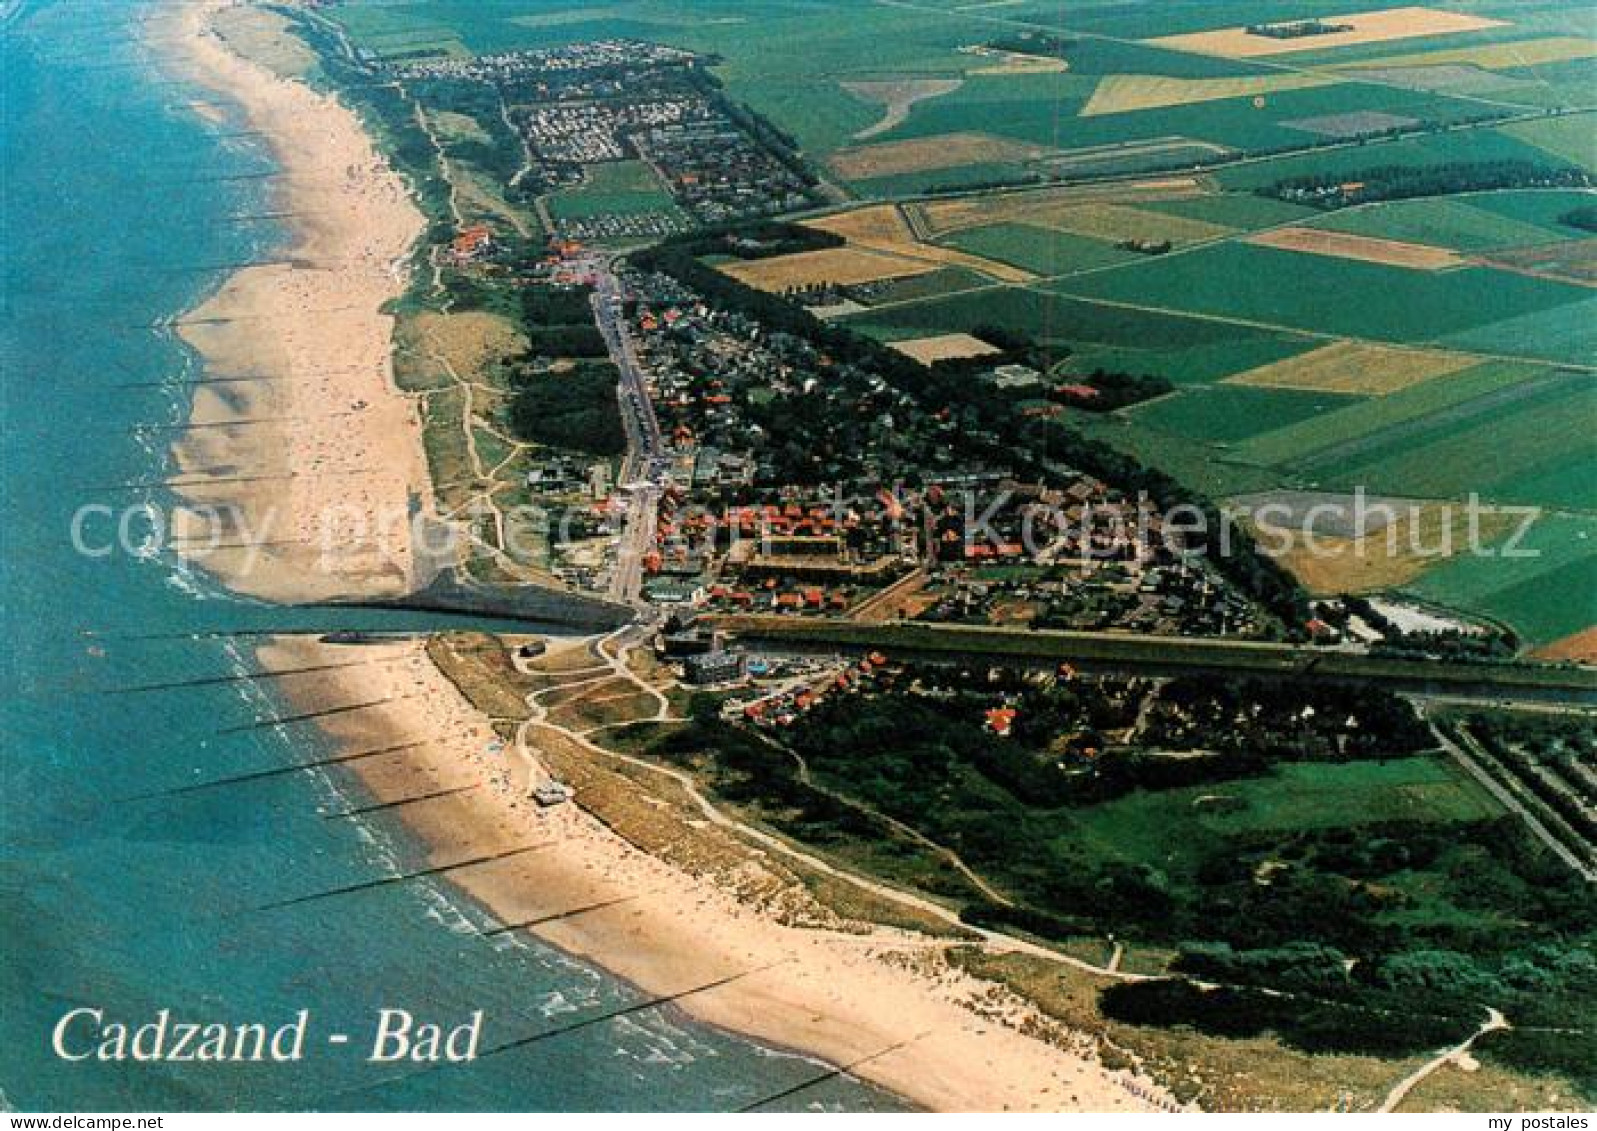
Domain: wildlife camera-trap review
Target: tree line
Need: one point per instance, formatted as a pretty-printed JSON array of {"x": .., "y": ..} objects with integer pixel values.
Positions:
[{"x": 1400, "y": 182}]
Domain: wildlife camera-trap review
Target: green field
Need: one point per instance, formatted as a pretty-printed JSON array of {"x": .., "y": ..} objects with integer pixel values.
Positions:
[
  {"x": 613, "y": 188},
  {"x": 1571, "y": 138},
  {"x": 1188, "y": 365},
  {"x": 1364, "y": 423},
  {"x": 1431, "y": 440},
  {"x": 1339, "y": 296},
  {"x": 1429, "y": 149},
  {"x": 1039, "y": 250},
  {"x": 1243, "y": 211},
  {"x": 1543, "y": 209},
  {"x": 1183, "y": 350},
  {"x": 787, "y": 60},
  {"x": 1461, "y": 224},
  {"x": 1559, "y": 481},
  {"x": 1545, "y": 596},
  {"x": 1557, "y": 86},
  {"x": 1200, "y": 464},
  {"x": 1565, "y": 333},
  {"x": 932, "y": 284},
  {"x": 1544, "y": 439},
  {"x": 1171, "y": 830},
  {"x": 1053, "y": 318},
  {"x": 507, "y": 25},
  {"x": 1520, "y": 24},
  {"x": 1516, "y": 433},
  {"x": 397, "y": 32},
  {"x": 1046, "y": 114},
  {"x": 1139, "y": 21},
  {"x": 1228, "y": 413},
  {"x": 983, "y": 174}
]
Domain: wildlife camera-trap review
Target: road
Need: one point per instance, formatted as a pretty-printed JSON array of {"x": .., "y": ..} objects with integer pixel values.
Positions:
[
  {"x": 643, "y": 471},
  {"x": 1572, "y": 688}
]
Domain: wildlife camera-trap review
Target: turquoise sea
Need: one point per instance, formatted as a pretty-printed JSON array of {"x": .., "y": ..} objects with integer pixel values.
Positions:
[{"x": 122, "y": 208}]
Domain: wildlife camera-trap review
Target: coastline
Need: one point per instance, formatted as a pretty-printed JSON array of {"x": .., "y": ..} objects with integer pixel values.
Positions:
[
  {"x": 310, "y": 423},
  {"x": 304, "y": 442},
  {"x": 880, "y": 1003}
]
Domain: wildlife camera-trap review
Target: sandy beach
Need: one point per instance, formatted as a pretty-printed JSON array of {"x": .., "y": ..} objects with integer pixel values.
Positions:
[
  {"x": 299, "y": 436},
  {"x": 881, "y": 1002},
  {"x": 310, "y": 425}
]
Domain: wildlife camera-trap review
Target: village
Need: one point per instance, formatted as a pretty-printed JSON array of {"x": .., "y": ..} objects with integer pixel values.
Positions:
[
  {"x": 767, "y": 471},
  {"x": 790, "y": 482},
  {"x": 582, "y": 109},
  {"x": 876, "y": 493},
  {"x": 800, "y": 484},
  {"x": 584, "y": 69}
]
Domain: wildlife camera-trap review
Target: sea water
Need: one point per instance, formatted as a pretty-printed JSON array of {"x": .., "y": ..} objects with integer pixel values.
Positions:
[{"x": 125, "y": 678}]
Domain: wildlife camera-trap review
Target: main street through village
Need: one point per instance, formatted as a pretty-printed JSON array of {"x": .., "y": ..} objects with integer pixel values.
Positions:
[{"x": 643, "y": 473}]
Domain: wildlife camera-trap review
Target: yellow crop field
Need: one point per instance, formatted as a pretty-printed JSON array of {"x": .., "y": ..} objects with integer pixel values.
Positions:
[
  {"x": 941, "y": 347},
  {"x": 1116, "y": 222},
  {"x": 1356, "y": 367},
  {"x": 1363, "y": 27},
  {"x": 882, "y": 227},
  {"x": 1366, "y": 249},
  {"x": 1121, "y": 94},
  {"x": 1581, "y": 646},
  {"x": 1384, "y": 559},
  {"x": 839, "y": 266}
]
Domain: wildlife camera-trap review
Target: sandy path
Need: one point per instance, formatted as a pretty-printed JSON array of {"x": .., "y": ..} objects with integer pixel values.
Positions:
[
  {"x": 1494, "y": 1021},
  {"x": 316, "y": 455}
]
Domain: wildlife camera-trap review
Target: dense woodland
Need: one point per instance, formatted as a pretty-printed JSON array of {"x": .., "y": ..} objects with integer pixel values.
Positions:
[
  {"x": 572, "y": 408},
  {"x": 1400, "y": 182},
  {"x": 570, "y": 403},
  {"x": 1370, "y": 959}
]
